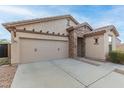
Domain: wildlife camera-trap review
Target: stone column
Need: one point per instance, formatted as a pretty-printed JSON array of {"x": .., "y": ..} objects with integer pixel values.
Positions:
[
  {"x": 75, "y": 44},
  {"x": 72, "y": 44}
]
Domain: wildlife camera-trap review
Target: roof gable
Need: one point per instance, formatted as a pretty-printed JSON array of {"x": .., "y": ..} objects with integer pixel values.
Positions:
[
  {"x": 83, "y": 24},
  {"x": 97, "y": 31},
  {"x": 37, "y": 20},
  {"x": 109, "y": 27}
]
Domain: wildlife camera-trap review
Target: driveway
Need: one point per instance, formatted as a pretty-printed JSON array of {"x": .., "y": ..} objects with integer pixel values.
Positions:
[{"x": 66, "y": 73}]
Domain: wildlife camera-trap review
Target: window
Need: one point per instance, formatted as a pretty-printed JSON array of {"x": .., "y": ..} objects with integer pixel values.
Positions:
[
  {"x": 96, "y": 40},
  {"x": 110, "y": 42},
  {"x": 110, "y": 39},
  {"x": 110, "y": 47}
]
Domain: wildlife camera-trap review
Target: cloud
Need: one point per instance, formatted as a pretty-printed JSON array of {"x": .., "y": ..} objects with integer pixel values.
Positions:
[
  {"x": 54, "y": 10},
  {"x": 41, "y": 11},
  {"x": 4, "y": 34},
  {"x": 0, "y": 33},
  {"x": 69, "y": 10},
  {"x": 112, "y": 16},
  {"x": 16, "y": 10},
  {"x": 80, "y": 18}
]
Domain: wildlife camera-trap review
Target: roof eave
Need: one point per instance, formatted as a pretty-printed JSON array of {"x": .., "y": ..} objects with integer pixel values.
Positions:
[
  {"x": 95, "y": 33},
  {"x": 39, "y": 20},
  {"x": 69, "y": 29},
  {"x": 115, "y": 31}
]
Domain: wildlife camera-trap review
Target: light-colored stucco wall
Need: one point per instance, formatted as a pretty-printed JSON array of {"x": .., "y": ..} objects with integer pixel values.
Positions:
[
  {"x": 118, "y": 42},
  {"x": 95, "y": 51},
  {"x": 100, "y": 51},
  {"x": 15, "y": 46},
  {"x": 106, "y": 39},
  {"x": 57, "y": 26}
]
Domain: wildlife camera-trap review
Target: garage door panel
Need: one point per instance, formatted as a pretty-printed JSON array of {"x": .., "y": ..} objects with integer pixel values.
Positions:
[{"x": 40, "y": 50}]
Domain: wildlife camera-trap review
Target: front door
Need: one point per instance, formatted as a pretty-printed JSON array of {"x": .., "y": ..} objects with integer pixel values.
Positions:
[{"x": 80, "y": 47}]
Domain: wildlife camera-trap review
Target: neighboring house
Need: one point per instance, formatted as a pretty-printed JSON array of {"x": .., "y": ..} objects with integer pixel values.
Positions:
[
  {"x": 118, "y": 42},
  {"x": 120, "y": 47},
  {"x": 58, "y": 37}
]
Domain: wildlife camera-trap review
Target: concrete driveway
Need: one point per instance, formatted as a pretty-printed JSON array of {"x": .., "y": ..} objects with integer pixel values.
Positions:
[{"x": 66, "y": 73}]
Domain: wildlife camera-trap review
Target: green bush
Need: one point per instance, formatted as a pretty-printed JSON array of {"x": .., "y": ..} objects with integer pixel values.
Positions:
[
  {"x": 116, "y": 57},
  {"x": 4, "y": 61}
]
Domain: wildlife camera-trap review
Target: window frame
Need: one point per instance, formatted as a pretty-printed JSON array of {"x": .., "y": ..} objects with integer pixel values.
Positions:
[
  {"x": 96, "y": 39},
  {"x": 110, "y": 42}
]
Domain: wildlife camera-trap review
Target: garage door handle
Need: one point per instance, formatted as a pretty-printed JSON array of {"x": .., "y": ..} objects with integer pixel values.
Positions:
[
  {"x": 35, "y": 49},
  {"x": 58, "y": 49}
]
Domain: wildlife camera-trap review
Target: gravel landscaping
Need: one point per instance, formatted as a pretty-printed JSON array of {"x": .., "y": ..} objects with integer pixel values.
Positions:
[{"x": 6, "y": 75}]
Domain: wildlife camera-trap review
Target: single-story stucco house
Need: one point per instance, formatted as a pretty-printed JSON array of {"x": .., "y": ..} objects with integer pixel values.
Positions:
[
  {"x": 118, "y": 42},
  {"x": 59, "y": 37}
]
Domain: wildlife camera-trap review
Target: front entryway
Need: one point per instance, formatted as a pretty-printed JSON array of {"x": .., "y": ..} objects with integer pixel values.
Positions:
[{"x": 80, "y": 47}]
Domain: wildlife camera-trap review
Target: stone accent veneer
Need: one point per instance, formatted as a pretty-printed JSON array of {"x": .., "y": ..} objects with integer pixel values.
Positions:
[
  {"x": 71, "y": 44},
  {"x": 73, "y": 35}
]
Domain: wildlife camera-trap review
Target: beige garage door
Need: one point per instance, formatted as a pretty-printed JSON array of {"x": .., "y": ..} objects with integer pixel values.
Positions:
[{"x": 40, "y": 50}]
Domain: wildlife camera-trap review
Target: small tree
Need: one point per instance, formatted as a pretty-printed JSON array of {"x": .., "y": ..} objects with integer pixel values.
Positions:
[{"x": 4, "y": 41}]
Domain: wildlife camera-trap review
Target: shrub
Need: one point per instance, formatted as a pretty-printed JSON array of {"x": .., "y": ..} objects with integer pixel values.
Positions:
[
  {"x": 4, "y": 61},
  {"x": 116, "y": 57}
]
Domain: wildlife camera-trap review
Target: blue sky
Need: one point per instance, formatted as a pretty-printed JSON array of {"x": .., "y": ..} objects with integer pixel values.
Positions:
[{"x": 96, "y": 16}]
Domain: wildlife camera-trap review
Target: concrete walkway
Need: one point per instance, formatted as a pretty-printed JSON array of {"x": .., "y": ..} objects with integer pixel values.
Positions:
[{"x": 67, "y": 73}]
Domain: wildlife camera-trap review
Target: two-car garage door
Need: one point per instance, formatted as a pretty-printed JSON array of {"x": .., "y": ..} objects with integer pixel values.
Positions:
[{"x": 33, "y": 50}]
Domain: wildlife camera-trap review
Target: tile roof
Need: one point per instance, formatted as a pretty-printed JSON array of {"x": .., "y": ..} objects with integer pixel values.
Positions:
[
  {"x": 100, "y": 30},
  {"x": 23, "y": 22},
  {"x": 108, "y": 27}
]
